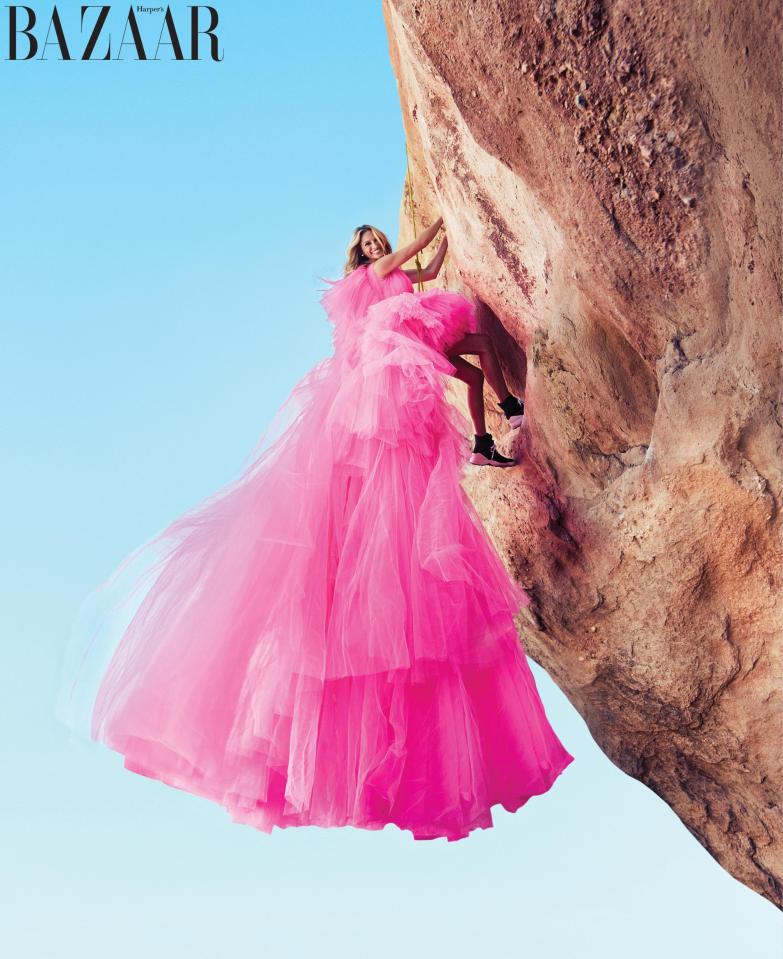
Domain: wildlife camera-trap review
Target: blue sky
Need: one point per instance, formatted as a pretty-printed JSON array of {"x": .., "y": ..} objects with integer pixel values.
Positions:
[{"x": 166, "y": 225}]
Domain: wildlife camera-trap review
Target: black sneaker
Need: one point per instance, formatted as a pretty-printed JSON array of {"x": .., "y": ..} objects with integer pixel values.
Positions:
[
  {"x": 514, "y": 411},
  {"x": 485, "y": 454}
]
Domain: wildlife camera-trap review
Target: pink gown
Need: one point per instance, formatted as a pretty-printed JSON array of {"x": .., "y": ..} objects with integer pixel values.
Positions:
[{"x": 328, "y": 640}]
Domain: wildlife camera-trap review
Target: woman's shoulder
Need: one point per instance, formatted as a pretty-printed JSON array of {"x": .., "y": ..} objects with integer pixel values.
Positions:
[
  {"x": 396, "y": 278},
  {"x": 359, "y": 275},
  {"x": 365, "y": 275},
  {"x": 366, "y": 272}
]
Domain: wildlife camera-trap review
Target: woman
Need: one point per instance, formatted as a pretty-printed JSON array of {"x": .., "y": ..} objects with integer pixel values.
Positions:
[
  {"x": 371, "y": 246},
  {"x": 329, "y": 640}
]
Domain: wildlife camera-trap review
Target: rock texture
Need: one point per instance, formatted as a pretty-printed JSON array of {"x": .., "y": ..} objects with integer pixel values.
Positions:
[{"x": 609, "y": 176}]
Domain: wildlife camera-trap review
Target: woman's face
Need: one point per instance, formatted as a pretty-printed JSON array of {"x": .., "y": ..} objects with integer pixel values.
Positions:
[{"x": 371, "y": 248}]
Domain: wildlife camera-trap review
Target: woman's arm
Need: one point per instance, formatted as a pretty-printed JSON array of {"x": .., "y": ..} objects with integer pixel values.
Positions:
[
  {"x": 392, "y": 260},
  {"x": 433, "y": 267},
  {"x": 431, "y": 270}
]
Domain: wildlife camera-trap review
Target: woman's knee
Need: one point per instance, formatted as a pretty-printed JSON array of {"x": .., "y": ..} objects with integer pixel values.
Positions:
[{"x": 472, "y": 375}]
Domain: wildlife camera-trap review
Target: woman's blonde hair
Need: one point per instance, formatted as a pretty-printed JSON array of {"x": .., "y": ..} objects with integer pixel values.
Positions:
[{"x": 354, "y": 254}]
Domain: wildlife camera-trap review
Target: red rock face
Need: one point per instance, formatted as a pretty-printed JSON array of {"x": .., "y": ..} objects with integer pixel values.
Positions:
[{"x": 609, "y": 176}]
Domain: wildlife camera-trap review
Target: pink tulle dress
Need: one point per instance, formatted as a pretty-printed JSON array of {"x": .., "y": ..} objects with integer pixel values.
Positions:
[{"x": 329, "y": 639}]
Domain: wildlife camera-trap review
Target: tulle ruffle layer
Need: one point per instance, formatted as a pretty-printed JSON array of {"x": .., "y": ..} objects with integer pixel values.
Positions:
[
  {"x": 436, "y": 318},
  {"x": 431, "y": 757}
]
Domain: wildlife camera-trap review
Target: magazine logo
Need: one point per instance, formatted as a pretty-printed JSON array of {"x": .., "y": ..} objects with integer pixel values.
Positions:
[{"x": 145, "y": 33}]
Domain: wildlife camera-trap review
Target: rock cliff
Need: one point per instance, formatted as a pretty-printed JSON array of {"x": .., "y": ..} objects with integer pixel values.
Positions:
[{"x": 609, "y": 176}]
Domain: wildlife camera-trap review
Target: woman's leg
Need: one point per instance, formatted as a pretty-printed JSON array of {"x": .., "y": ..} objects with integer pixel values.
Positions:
[
  {"x": 473, "y": 376},
  {"x": 484, "y": 451},
  {"x": 481, "y": 344}
]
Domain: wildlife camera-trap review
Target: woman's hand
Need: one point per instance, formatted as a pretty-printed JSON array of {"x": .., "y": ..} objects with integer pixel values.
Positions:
[{"x": 427, "y": 236}]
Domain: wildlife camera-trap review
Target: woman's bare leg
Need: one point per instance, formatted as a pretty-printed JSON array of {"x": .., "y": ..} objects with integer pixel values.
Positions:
[
  {"x": 485, "y": 453},
  {"x": 481, "y": 344},
  {"x": 474, "y": 377}
]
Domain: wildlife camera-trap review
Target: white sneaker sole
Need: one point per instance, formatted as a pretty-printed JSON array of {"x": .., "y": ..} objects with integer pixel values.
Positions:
[{"x": 478, "y": 459}]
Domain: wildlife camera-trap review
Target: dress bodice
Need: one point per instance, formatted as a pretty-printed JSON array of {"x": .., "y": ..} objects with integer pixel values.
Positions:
[
  {"x": 347, "y": 300},
  {"x": 390, "y": 285}
]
